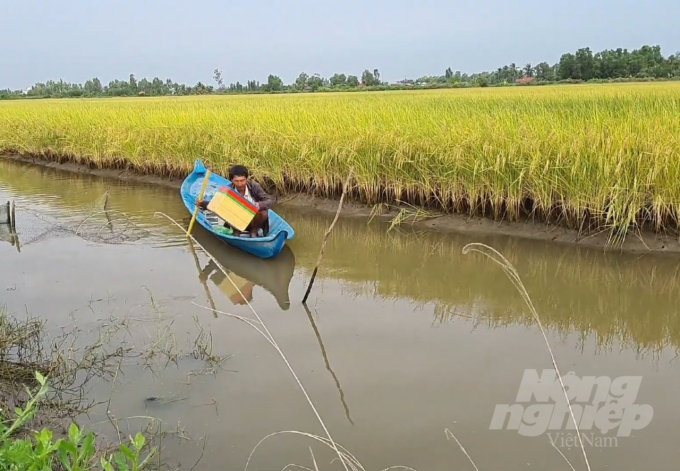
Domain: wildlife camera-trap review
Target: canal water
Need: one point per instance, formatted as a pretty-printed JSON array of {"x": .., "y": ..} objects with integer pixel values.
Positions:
[{"x": 405, "y": 337}]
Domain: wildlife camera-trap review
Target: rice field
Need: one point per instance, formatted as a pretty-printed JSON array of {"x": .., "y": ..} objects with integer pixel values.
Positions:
[{"x": 594, "y": 157}]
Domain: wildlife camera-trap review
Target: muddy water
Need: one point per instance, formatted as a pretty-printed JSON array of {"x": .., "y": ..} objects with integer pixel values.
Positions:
[{"x": 406, "y": 336}]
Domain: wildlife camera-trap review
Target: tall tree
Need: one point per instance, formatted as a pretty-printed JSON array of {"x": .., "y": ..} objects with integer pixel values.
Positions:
[
  {"x": 353, "y": 81},
  {"x": 567, "y": 67},
  {"x": 338, "y": 80},
  {"x": 585, "y": 63},
  {"x": 274, "y": 83},
  {"x": 217, "y": 76},
  {"x": 367, "y": 78},
  {"x": 301, "y": 81}
]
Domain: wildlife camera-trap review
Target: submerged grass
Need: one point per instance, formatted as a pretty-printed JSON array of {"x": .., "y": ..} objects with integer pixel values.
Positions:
[
  {"x": 594, "y": 157},
  {"x": 65, "y": 365}
]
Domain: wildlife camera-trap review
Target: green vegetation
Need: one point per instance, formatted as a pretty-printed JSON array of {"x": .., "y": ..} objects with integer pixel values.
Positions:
[
  {"x": 76, "y": 452},
  {"x": 39, "y": 428},
  {"x": 646, "y": 63},
  {"x": 24, "y": 389},
  {"x": 595, "y": 158}
]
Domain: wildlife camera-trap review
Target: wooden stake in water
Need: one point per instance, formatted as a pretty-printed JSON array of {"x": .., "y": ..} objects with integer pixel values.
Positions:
[
  {"x": 325, "y": 237},
  {"x": 200, "y": 197}
]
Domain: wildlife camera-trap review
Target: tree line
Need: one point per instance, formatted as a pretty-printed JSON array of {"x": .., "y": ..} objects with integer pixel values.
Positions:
[{"x": 645, "y": 63}]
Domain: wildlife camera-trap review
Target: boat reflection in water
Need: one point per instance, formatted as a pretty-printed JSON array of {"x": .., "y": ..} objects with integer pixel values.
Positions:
[
  {"x": 9, "y": 236},
  {"x": 246, "y": 271}
]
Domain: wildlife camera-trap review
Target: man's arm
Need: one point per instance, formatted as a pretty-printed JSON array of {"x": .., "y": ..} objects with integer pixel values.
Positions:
[{"x": 263, "y": 199}]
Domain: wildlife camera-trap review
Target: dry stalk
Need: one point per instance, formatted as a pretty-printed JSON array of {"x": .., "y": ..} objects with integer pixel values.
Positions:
[
  {"x": 325, "y": 236},
  {"x": 259, "y": 325},
  {"x": 450, "y": 434},
  {"x": 512, "y": 274}
]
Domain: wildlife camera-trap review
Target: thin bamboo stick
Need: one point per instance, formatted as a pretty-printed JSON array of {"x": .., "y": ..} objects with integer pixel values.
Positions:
[
  {"x": 200, "y": 197},
  {"x": 325, "y": 237}
]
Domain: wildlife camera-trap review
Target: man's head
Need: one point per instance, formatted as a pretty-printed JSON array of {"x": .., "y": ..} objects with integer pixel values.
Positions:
[{"x": 238, "y": 174}]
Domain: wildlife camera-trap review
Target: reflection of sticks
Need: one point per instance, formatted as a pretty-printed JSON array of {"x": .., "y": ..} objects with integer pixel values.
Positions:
[
  {"x": 325, "y": 237},
  {"x": 328, "y": 365},
  {"x": 12, "y": 217},
  {"x": 259, "y": 325},
  {"x": 125, "y": 216},
  {"x": 203, "y": 282},
  {"x": 106, "y": 209},
  {"x": 110, "y": 224},
  {"x": 14, "y": 237},
  {"x": 15, "y": 241}
]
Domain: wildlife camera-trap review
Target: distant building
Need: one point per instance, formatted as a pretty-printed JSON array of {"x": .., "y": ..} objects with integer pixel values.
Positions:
[{"x": 525, "y": 80}]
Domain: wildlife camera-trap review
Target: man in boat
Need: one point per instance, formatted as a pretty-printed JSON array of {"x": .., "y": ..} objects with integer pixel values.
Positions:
[{"x": 253, "y": 192}]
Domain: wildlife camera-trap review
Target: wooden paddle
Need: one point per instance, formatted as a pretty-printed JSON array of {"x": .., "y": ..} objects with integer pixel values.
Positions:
[{"x": 200, "y": 197}]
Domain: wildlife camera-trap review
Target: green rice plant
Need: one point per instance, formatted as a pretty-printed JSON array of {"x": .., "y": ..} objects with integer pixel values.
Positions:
[{"x": 592, "y": 157}]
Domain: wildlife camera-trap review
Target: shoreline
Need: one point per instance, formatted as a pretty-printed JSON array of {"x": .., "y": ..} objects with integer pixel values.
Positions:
[{"x": 646, "y": 242}]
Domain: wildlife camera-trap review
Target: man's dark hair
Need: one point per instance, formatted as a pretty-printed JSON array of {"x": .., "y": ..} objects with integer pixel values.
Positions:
[{"x": 238, "y": 171}]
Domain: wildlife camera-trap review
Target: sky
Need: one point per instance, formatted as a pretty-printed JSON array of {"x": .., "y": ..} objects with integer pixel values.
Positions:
[{"x": 186, "y": 41}]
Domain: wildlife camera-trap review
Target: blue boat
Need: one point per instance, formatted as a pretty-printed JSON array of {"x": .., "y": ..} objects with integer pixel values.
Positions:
[{"x": 263, "y": 247}]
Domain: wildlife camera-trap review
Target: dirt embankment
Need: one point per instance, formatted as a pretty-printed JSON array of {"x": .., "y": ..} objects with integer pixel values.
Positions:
[{"x": 642, "y": 243}]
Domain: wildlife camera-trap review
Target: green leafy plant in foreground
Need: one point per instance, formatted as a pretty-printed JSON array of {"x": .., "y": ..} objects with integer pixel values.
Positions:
[{"x": 77, "y": 452}]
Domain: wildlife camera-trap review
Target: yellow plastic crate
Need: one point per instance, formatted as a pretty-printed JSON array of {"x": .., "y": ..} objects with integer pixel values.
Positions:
[{"x": 233, "y": 208}]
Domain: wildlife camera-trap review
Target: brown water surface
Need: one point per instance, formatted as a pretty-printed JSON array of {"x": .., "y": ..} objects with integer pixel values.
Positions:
[{"x": 406, "y": 335}]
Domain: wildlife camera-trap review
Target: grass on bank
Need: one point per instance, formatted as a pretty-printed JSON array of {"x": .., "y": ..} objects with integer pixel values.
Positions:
[
  {"x": 39, "y": 451},
  {"x": 45, "y": 381},
  {"x": 595, "y": 157},
  {"x": 24, "y": 389}
]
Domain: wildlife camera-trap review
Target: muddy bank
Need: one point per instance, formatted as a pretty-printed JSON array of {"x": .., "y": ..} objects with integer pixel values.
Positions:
[{"x": 643, "y": 242}]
